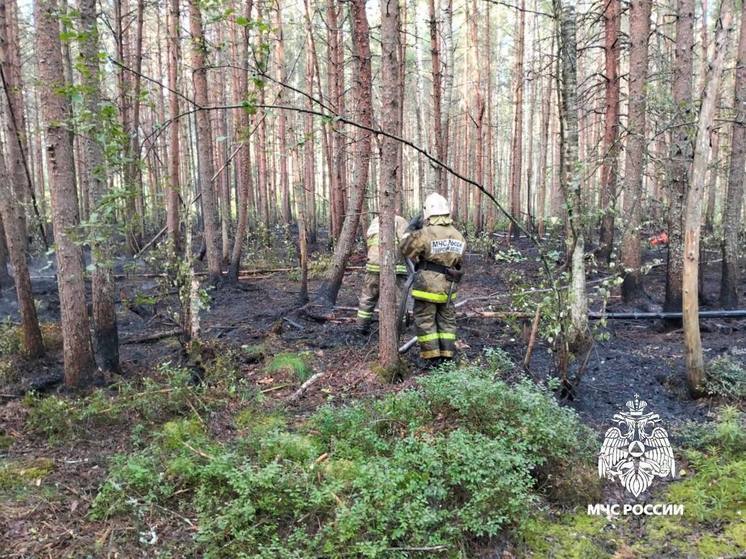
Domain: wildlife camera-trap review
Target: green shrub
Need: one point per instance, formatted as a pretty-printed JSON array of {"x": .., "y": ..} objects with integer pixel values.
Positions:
[
  {"x": 441, "y": 466},
  {"x": 11, "y": 340},
  {"x": 725, "y": 378}
]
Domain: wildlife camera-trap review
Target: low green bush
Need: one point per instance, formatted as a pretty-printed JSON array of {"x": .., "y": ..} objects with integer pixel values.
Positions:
[
  {"x": 725, "y": 378},
  {"x": 440, "y": 467}
]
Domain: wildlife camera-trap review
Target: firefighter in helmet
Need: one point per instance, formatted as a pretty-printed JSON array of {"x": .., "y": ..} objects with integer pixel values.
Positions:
[
  {"x": 438, "y": 248},
  {"x": 369, "y": 296}
]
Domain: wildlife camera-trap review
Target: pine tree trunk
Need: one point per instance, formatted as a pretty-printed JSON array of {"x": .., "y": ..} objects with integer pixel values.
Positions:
[
  {"x": 440, "y": 183},
  {"x": 245, "y": 193},
  {"x": 639, "y": 17},
  {"x": 363, "y": 102},
  {"x": 5, "y": 279},
  {"x": 204, "y": 147},
  {"x": 516, "y": 161},
  {"x": 14, "y": 236},
  {"x": 680, "y": 152},
  {"x": 103, "y": 286},
  {"x": 388, "y": 353},
  {"x": 77, "y": 349},
  {"x": 693, "y": 215},
  {"x": 173, "y": 190},
  {"x": 609, "y": 170},
  {"x": 734, "y": 196}
]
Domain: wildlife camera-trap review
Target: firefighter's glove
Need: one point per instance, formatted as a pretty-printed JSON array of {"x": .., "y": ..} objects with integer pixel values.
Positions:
[
  {"x": 455, "y": 273},
  {"x": 416, "y": 223}
]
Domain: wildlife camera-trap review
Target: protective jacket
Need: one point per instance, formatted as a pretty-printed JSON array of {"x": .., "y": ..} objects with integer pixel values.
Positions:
[
  {"x": 438, "y": 243},
  {"x": 373, "y": 240}
]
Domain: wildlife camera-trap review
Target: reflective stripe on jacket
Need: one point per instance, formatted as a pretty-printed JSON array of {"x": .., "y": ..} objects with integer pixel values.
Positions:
[
  {"x": 372, "y": 240},
  {"x": 439, "y": 242}
]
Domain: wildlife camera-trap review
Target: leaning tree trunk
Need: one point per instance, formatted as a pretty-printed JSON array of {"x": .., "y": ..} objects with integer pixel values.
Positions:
[
  {"x": 680, "y": 153},
  {"x": 639, "y": 17},
  {"x": 734, "y": 196},
  {"x": 612, "y": 21},
  {"x": 204, "y": 145},
  {"x": 388, "y": 353},
  {"x": 14, "y": 235},
  {"x": 102, "y": 278},
  {"x": 695, "y": 366},
  {"x": 56, "y": 111},
  {"x": 363, "y": 101}
]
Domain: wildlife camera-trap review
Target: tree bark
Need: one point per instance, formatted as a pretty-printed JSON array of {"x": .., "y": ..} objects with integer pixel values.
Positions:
[
  {"x": 577, "y": 333},
  {"x": 695, "y": 367},
  {"x": 363, "y": 101},
  {"x": 388, "y": 350},
  {"x": 609, "y": 170},
  {"x": 680, "y": 153},
  {"x": 14, "y": 240},
  {"x": 734, "y": 196},
  {"x": 77, "y": 349},
  {"x": 173, "y": 189},
  {"x": 516, "y": 160},
  {"x": 440, "y": 184},
  {"x": 245, "y": 192},
  {"x": 204, "y": 147},
  {"x": 103, "y": 286},
  {"x": 639, "y": 17}
]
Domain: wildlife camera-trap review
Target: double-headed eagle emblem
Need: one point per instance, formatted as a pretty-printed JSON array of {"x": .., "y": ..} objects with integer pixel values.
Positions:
[{"x": 637, "y": 451}]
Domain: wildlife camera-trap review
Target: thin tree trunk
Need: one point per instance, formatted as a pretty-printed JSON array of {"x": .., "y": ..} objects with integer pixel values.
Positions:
[
  {"x": 173, "y": 191},
  {"x": 680, "y": 152},
  {"x": 577, "y": 334},
  {"x": 516, "y": 161},
  {"x": 363, "y": 101},
  {"x": 77, "y": 349},
  {"x": 695, "y": 367},
  {"x": 609, "y": 169},
  {"x": 204, "y": 148},
  {"x": 282, "y": 121},
  {"x": 14, "y": 236},
  {"x": 5, "y": 279},
  {"x": 639, "y": 17},
  {"x": 103, "y": 286},
  {"x": 440, "y": 184},
  {"x": 245, "y": 200},
  {"x": 734, "y": 196}
]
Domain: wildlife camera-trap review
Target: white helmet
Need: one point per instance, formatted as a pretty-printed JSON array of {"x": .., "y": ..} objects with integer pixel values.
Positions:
[{"x": 435, "y": 204}]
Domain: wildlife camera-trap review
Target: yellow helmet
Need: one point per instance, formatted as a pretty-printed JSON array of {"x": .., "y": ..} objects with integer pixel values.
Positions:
[{"x": 435, "y": 204}]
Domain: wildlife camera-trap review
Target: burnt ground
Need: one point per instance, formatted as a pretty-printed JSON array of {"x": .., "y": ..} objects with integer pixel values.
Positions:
[{"x": 638, "y": 357}]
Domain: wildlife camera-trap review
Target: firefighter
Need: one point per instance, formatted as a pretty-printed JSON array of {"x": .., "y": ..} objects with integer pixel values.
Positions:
[
  {"x": 438, "y": 248},
  {"x": 369, "y": 296}
]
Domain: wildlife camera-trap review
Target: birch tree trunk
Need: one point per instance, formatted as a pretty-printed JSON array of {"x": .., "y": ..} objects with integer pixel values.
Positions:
[
  {"x": 577, "y": 333},
  {"x": 77, "y": 349},
  {"x": 695, "y": 366}
]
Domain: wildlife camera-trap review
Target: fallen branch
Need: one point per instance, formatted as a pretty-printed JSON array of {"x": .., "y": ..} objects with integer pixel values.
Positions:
[
  {"x": 298, "y": 325},
  {"x": 151, "y": 337},
  {"x": 303, "y": 387}
]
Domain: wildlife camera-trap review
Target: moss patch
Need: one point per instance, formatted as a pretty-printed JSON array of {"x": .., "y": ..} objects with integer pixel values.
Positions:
[{"x": 14, "y": 475}]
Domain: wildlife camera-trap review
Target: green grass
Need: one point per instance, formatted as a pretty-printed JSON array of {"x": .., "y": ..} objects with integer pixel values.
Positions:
[{"x": 293, "y": 363}]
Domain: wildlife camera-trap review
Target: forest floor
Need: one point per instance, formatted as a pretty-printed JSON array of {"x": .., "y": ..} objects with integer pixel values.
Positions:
[{"x": 48, "y": 483}]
